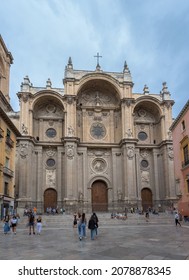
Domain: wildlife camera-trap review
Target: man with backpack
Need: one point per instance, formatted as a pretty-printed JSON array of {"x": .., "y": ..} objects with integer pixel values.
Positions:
[{"x": 31, "y": 222}]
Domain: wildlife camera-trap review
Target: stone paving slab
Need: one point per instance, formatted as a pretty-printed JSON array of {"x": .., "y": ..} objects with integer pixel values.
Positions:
[{"x": 117, "y": 240}]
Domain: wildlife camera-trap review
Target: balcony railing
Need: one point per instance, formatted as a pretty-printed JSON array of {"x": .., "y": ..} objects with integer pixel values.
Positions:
[
  {"x": 1, "y": 133},
  {"x": 9, "y": 142},
  {"x": 8, "y": 171}
]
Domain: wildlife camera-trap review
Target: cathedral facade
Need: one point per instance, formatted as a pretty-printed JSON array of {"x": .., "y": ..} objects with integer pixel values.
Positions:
[{"x": 94, "y": 145}]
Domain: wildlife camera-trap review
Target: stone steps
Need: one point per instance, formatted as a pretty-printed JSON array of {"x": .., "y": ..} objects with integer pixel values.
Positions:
[{"x": 66, "y": 220}]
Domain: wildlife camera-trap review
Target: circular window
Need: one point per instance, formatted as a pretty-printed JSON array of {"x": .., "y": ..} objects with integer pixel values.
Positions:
[
  {"x": 51, "y": 132},
  {"x": 98, "y": 130},
  {"x": 50, "y": 162},
  {"x": 144, "y": 163},
  {"x": 142, "y": 136}
]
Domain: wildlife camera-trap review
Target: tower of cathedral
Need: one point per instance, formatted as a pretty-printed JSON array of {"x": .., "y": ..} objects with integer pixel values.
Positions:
[{"x": 94, "y": 144}]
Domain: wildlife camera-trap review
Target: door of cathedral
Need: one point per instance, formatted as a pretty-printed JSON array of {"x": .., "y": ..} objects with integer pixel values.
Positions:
[
  {"x": 146, "y": 195},
  {"x": 50, "y": 199},
  {"x": 99, "y": 196}
]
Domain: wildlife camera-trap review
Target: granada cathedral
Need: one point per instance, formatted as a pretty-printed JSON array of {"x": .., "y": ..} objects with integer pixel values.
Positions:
[{"x": 94, "y": 144}]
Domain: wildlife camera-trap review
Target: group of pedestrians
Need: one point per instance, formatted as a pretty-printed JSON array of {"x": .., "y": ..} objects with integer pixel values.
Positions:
[
  {"x": 12, "y": 222},
  {"x": 80, "y": 222}
]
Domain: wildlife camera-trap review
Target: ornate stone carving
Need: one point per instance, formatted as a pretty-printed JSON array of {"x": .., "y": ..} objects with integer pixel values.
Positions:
[
  {"x": 144, "y": 153},
  {"x": 120, "y": 195},
  {"x": 145, "y": 179},
  {"x": 170, "y": 153},
  {"x": 51, "y": 108},
  {"x": 169, "y": 134},
  {"x": 130, "y": 152},
  {"x": 97, "y": 98},
  {"x": 99, "y": 165},
  {"x": 70, "y": 131},
  {"x": 24, "y": 129},
  {"x": 143, "y": 116},
  {"x": 129, "y": 133},
  {"x": 80, "y": 196},
  {"x": 50, "y": 178},
  {"x": 23, "y": 150},
  {"x": 70, "y": 152},
  {"x": 50, "y": 152}
]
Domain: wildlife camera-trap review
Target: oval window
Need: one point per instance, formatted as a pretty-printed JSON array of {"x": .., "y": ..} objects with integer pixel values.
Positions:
[
  {"x": 144, "y": 163},
  {"x": 50, "y": 162},
  {"x": 51, "y": 132},
  {"x": 142, "y": 136}
]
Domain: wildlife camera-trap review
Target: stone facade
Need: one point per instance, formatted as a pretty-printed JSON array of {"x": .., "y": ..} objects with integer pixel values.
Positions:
[{"x": 94, "y": 144}]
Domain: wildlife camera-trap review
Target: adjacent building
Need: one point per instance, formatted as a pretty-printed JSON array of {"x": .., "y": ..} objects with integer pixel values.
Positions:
[
  {"x": 180, "y": 132},
  {"x": 8, "y": 133}
]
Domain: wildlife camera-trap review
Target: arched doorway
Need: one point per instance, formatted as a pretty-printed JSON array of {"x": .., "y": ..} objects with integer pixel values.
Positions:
[
  {"x": 50, "y": 199},
  {"x": 146, "y": 195},
  {"x": 99, "y": 196}
]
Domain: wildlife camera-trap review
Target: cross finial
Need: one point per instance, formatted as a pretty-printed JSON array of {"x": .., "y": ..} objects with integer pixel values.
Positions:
[{"x": 97, "y": 56}]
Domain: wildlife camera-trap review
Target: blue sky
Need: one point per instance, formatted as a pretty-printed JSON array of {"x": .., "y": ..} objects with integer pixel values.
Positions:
[{"x": 152, "y": 36}]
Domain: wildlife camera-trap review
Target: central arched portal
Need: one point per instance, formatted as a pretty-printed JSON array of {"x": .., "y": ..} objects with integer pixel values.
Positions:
[
  {"x": 99, "y": 196},
  {"x": 50, "y": 199},
  {"x": 146, "y": 195}
]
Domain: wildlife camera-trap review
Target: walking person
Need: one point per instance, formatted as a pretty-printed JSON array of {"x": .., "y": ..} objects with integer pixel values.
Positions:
[
  {"x": 75, "y": 220},
  {"x": 31, "y": 222},
  {"x": 96, "y": 222},
  {"x": 82, "y": 227},
  {"x": 13, "y": 224},
  {"x": 39, "y": 225},
  {"x": 177, "y": 219},
  {"x": 147, "y": 216},
  {"x": 6, "y": 226},
  {"x": 92, "y": 227}
]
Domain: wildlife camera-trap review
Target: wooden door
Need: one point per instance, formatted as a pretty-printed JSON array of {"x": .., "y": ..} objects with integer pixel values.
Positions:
[
  {"x": 50, "y": 199},
  {"x": 99, "y": 196},
  {"x": 146, "y": 195}
]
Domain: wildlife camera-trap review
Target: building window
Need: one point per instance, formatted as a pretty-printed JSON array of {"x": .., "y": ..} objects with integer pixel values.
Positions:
[
  {"x": 186, "y": 155},
  {"x": 187, "y": 182},
  {"x": 144, "y": 163},
  {"x": 6, "y": 189},
  {"x": 50, "y": 162},
  {"x": 7, "y": 162},
  {"x": 8, "y": 133},
  {"x": 183, "y": 125},
  {"x": 142, "y": 136},
  {"x": 98, "y": 131},
  {"x": 51, "y": 132}
]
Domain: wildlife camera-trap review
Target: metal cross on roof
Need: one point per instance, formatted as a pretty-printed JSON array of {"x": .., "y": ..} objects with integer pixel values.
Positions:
[{"x": 97, "y": 56}]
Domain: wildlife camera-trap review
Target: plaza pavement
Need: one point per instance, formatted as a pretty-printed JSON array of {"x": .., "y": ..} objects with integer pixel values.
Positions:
[{"x": 132, "y": 239}]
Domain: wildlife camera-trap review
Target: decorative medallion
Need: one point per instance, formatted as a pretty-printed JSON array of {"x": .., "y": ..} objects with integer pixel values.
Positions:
[
  {"x": 23, "y": 150},
  {"x": 99, "y": 165},
  {"x": 98, "y": 130},
  {"x": 130, "y": 152},
  {"x": 51, "y": 108},
  {"x": 70, "y": 152}
]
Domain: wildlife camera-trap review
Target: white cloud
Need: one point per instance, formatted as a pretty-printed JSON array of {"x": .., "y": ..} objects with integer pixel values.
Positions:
[{"x": 152, "y": 36}]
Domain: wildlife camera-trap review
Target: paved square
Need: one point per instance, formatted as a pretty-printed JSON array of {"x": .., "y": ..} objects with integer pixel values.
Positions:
[{"x": 133, "y": 239}]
